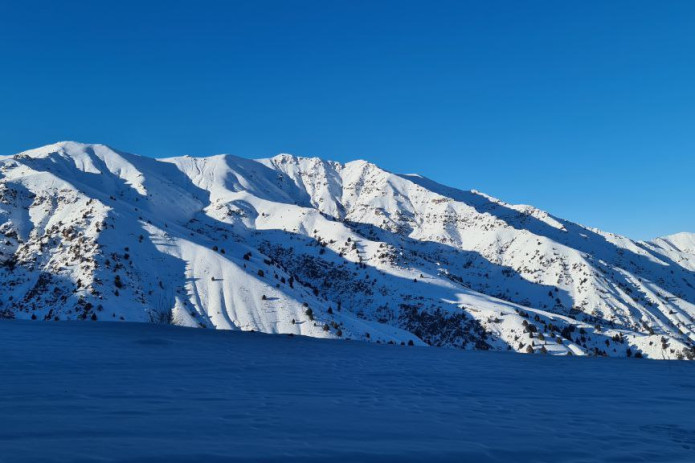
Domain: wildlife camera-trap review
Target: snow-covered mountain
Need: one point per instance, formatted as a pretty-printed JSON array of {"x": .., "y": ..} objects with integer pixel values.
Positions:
[{"x": 324, "y": 249}]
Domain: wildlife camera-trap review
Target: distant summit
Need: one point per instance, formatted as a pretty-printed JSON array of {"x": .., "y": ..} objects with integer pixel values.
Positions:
[{"x": 325, "y": 249}]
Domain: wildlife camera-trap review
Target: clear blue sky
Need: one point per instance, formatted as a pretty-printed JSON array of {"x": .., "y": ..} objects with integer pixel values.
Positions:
[{"x": 583, "y": 108}]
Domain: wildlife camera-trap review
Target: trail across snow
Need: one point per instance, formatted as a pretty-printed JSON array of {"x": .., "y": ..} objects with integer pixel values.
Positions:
[{"x": 108, "y": 392}]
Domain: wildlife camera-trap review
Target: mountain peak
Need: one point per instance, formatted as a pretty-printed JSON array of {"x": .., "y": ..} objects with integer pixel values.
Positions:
[
  {"x": 65, "y": 146},
  {"x": 306, "y": 246}
]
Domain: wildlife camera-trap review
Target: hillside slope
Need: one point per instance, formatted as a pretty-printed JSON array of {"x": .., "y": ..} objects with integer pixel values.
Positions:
[{"x": 319, "y": 248}]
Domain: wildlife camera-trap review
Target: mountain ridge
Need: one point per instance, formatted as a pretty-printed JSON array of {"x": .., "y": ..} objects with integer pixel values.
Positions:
[{"x": 306, "y": 246}]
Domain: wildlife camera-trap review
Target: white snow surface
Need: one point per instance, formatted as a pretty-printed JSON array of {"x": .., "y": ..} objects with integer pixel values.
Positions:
[
  {"x": 134, "y": 392},
  {"x": 329, "y": 250}
]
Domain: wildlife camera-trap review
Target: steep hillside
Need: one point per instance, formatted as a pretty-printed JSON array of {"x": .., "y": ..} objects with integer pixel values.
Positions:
[{"x": 319, "y": 248}]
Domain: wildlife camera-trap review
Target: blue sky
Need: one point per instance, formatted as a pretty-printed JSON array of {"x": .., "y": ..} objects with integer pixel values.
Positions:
[{"x": 585, "y": 109}]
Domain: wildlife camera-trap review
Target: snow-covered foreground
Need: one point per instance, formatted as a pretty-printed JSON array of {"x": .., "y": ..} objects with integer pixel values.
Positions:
[{"x": 74, "y": 391}]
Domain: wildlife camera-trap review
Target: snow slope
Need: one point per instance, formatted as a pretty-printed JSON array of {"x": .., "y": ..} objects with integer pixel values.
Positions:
[
  {"x": 110, "y": 392},
  {"x": 324, "y": 249}
]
